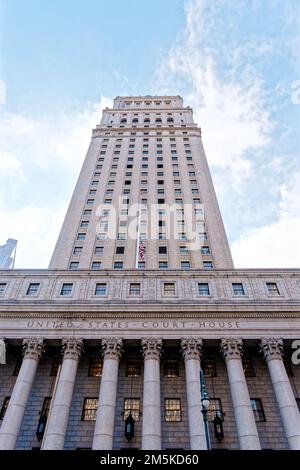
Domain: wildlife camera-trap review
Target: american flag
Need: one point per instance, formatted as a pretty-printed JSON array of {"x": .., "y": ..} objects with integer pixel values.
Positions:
[{"x": 141, "y": 250}]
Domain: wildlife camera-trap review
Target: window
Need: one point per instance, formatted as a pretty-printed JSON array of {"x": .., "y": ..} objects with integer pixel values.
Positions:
[
  {"x": 87, "y": 211},
  {"x": 205, "y": 250},
  {"x": 81, "y": 236},
  {"x": 66, "y": 289},
  {"x": 95, "y": 367},
  {"x": 185, "y": 265},
  {"x": 4, "y": 407},
  {"x": 74, "y": 265},
  {"x": 135, "y": 289},
  {"x": 96, "y": 265},
  {"x": 77, "y": 250},
  {"x": 183, "y": 250},
  {"x": 90, "y": 202},
  {"x": 215, "y": 408},
  {"x": 169, "y": 288},
  {"x": 98, "y": 250},
  {"x": 207, "y": 265},
  {"x": 33, "y": 288},
  {"x": 46, "y": 407},
  {"x": 89, "y": 410},
  {"x": 238, "y": 288},
  {"x": 118, "y": 264},
  {"x": 133, "y": 368},
  {"x": 248, "y": 367},
  {"x": 272, "y": 288},
  {"x": 171, "y": 368},
  {"x": 162, "y": 250},
  {"x": 120, "y": 250},
  {"x": 131, "y": 405},
  {"x": 258, "y": 410},
  {"x": 209, "y": 367},
  {"x": 18, "y": 366},
  {"x": 141, "y": 265},
  {"x": 101, "y": 288},
  {"x": 203, "y": 288},
  {"x": 163, "y": 265},
  {"x": 55, "y": 366},
  {"x": 172, "y": 409}
]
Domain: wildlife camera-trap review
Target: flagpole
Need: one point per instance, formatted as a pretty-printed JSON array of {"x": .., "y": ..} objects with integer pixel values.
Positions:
[{"x": 138, "y": 240}]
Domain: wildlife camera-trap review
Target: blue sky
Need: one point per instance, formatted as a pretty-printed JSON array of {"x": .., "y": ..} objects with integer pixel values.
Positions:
[{"x": 234, "y": 61}]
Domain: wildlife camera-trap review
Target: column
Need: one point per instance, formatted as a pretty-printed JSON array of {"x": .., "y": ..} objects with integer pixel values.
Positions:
[
  {"x": 191, "y": 350},
  {"x": 231, "y": 348},
  {"x": 151, "y": 425},
  {"x": 112, "y": 349},
  {"x": 32, "y": 351},
  {"x": 272, "y": 349},
  {"x": 57, "y": 421}
]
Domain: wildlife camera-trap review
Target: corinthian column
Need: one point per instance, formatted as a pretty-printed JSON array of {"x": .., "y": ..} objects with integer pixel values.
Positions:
[
  {"x": 191, "y": 349},
  {"x": 231, "y": 348},
  {"x": 61, "y": 402},
  {"x": 151, "y": 425},
  {"x": 104, "y": 426},
  {"x": 272, "y": 349},
  {"x": 32, "y": 351}
]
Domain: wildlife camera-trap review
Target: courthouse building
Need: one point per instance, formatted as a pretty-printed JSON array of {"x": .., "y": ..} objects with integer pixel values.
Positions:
[{"x": 131, "y": 305}]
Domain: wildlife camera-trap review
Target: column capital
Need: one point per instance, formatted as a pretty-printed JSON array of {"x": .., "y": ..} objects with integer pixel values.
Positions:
[
  {"x": 72, "y": 348},
  {"x": 231, "y": 348},
  {"x": 271, "y": 348},
  {"x": 33, "y": 348},
  {"x": 112, "y": 348},
  {"x": 191, "y": 348},
  {"x": 151, "y": 348}
]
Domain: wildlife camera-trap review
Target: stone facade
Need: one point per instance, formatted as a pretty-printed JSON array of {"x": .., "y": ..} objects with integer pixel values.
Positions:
[{"x": 84, "y": 347}]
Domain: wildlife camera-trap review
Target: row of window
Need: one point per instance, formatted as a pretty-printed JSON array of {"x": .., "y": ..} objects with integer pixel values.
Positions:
[
  {"x": 172, "y": 408},
  {"x": 135, "y": 287},
  {"x": 96, "y": 265}
]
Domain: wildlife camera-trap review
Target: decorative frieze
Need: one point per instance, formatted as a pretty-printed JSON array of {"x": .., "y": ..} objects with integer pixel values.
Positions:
[
  {"x": 231, "y": 348},
  {"x": 191, "y": 348},
  {"x": 271, "y": 348},
  {"x": 33, "y": 348},
  {"x": 112, "y": 348},
  {"x": 151, "y": 348},
  {"x": 72, "y": 348}
]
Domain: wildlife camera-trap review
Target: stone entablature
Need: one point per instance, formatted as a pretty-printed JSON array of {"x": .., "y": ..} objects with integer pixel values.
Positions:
[{"x": 152, "y": 286}]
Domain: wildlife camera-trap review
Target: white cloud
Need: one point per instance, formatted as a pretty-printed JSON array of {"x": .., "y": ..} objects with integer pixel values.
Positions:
[{"x": 40, "y": 159}]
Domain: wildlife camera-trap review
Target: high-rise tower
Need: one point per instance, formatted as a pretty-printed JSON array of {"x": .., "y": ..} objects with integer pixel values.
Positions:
[{"x": 147, "y": 151}]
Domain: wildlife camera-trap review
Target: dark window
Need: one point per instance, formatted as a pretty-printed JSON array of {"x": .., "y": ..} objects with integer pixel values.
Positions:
[
  {"x": 133, "y": 368},
  {"x": 96, "y": 265},
  {"x": 209, "y": 367},
  {"x": 135, "y": 289},
  {"x": 238, "y": 288},
  {"x": 95, "y": 367},
  {"x": 18, "y": 366},
  {"x": 258, "y": 410},
  {"x": 77, "y": 250},
  {"x": 84, "y": 224},
  {"x": 162, "y": 250},
  {"x": 120, "y": 250},
  {"x": 163, "y": 265},
  {"x": 185, "y": 265},
  {"x": 4, "y": 407},
  {"x": 272, "y": 288},
  {"x": 131, "y": 405},
  {"x": 169, "y": 288},
  {"x": 118, "y": 265},
  {"x": 215, "y": 408},
  {"x": 55, "y": 366},
  {"x": 171, "y": 368},
  {"x": 89, "y": 410},
  {"x": 205, "y": 250},
  {"x": 74, "y": 265},
  {"x": 2, "y": 288},
  {"x": 81, "y": 236},
  {"x": 98, "y": 250},
  {"x": 33, "y": 288},
  {"x": 248, "y": 367},
  {"x": 172, "y": 409},
  {"x": 66, "y": 289},
  {"x": 203, "y": 288},
  {"x": 46, "y": 407},
  {"x": 101, "y": 288},
  {"x": 207, "y": 265}
]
